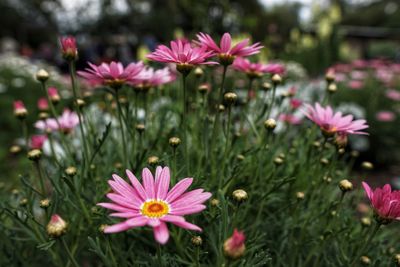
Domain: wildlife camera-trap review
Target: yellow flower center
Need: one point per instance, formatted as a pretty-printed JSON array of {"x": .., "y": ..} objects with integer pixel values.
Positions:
[{"x": 154, "y": 208}]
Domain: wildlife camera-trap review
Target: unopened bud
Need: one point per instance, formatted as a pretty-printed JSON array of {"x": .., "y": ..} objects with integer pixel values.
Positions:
[
  {"x": 174, "y": 142},
  {"x": 266, "y": 86},
  {"x": 23, "y": 202},
  {"x": 34, "y": 154},
  {"x": 234, "y": 246},
  {"x": 80, "y": 103},
  {"x": 276, "y": 79},
  {"x": 240, "y": 157},
  {"x": 44, "y": 203},
  {"x": 56, "y": 227},
  {"x": 324, "y": 161},
  {"x": 270, "y": 124},
  {"x": 365, "y": 221},
  {"x": 300, "y": 195},
  {"x": 140, "y": 127},
  {"x": 240, "y": 195},
  {"x": 366, "y": 165},
  {"x": 118, "y": 165},
  {"x": 230, "y": 98},
  {"x": 214, "y": 202},
  {"x": 397, "y": 259},
  {"x": 365, "y": 260},
  {"x": 102, "y": 228},
  {"x": 355, "y": 154},
  {"x": 197, "y": 240},
  {"x": 332, "y": 88},
  {"x": 221, "y": 108},
  {"x": 15, "y": 149},
  {"x": 330, "y": 76},
  {"x": 278, "y": 161},
  {"x": 43, "y": 115},
  {"x": 345, "y": 185},
  {"x": 42, "y": 75},
  {"x": 153, "y": 160},
  {"x": 70, "y": 171},
  {"x": 203, "y": 88},
  {"x": 198, "y": 72}
]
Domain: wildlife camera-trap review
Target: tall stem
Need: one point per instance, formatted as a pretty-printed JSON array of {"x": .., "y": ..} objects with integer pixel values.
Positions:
[
  {"x": 85, "y": 153},
  {"x": 41, "y": 181},
  {"x": 272, "y": 101},
  {"x": 365, "y": 246},
  {"x": 121, "y": 126},
  {"x": 71, "y": 257},
  {"x": 220, "y": 98},
  {"x": 184, "y": 124}
]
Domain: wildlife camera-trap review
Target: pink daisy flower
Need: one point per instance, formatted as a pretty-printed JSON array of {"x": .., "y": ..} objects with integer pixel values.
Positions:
[
  {"x": 152, "y": 77},
  {"x": 152, "y": 203},
  {"x": 66, "y": 122},
  {"x": 225, "y": 51},
  {"x": 256, "y": 70},
  {"x": 332, "y": 123},
  {"x": 113, "y": 74},
  {"x": 393, "y": 94},
  {"x": 385, "y": 116},
  {"x": 385, "y": 202},
  {"x": 182, "y": 54}
]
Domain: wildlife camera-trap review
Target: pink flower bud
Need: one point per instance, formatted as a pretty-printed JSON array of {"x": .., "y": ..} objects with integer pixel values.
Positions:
[
  {"x": 42, "y": 104},
  {"x": 68, "y": 47},
  {"x": 19, "y": 109},
  {"x": 234, "y": 246},
  {"x": 57, "y": 226},
  {"x": 37, "y": 141}
]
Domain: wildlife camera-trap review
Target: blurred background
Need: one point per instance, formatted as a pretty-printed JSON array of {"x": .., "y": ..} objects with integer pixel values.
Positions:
[{"x": 359, "y": 38}]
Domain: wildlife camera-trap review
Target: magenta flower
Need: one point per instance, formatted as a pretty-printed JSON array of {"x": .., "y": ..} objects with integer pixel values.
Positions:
[
  {"x": 37, "y": 141},
  {"x": 68, "y": 47},
  {"x": 385, "y": 116},
  {"x": 151, "y": 77},
  {"x": 355, "y": 84},
  {"x": 295, "y": 103},
  {"x": 234, "y": 246},
  {"x": 66, "y": 122},
  {"x": 53, "y": 94},
  {"x": 113, "y": 74},
  {"x": 152, "y": 203},
  {"x": 42, "y": 104},
  {"x": 385, "y": 202},
  {"x": 253, "y": 70},
  {"x": 182, "y": 54},
  {"x": 332, "y": 123},
  {"x": 290, "y": 119},
  {"x": 393, "y": 94},
  {"x": 225, "y": 51},
  {"x": 19, "y": 106}
]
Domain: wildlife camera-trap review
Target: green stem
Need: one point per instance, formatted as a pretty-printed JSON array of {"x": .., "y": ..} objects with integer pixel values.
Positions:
[
  {"x": 272, "y": 101},
  {"x": 184, "y": 124},
  {"x": 85, "y": 153},
  {"x": 41, "y": 181},
  {"x": 71, "y": 257},
  {"x": 365, "y": 246},
  {"x": 121, "y": 125},
  {"x": 220, "y": 99}
]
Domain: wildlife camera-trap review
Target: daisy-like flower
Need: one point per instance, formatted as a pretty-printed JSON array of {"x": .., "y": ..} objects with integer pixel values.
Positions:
[
  {"x": 252, "y": 70},
  {"x": 385, "y": 202},
  {"x": 152, "y": 203},
  {"x": 113, "y": 74},
  {"x": 66, "y": 122},
  {"x": 152, "y": 77},
  {"x": 225, "y": 51},
  {"x": 68, "y": 48},
  {"x": 334, "y": 123},
  {"x": 183, "y": 54}
]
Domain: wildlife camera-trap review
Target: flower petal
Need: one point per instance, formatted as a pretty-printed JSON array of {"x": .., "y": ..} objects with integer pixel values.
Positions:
[{"x": 161, "y": 233}]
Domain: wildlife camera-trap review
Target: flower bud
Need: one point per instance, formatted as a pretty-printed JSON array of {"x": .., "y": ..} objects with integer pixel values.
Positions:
[
  {"x": 42, "y": 104},
  {"x": 397, "y": 259},
  {"x": 240, "y": 195},
  {"x": 327, "y": 179},
  {"x": 365, "y": 221},
  {"x": 203, "y": 88},
  {"x": 278, "y": 161},
  {"x": 230, "y": 98},
  {"x": 332, "y": 88},
  {"x": 44, "y": 203},
  {"x": 345, "y": 185},
  {"x": 23, "y": 202},
  {"x": 68, "y": 48},
  {"x": 276, "y": 79},
  {"x": 15, "y": 192},
  {"x": 355, "y": 154},
  {"x": 266, "y": 86},
  {"x": 341, "y": 151},
  {"x": 102, "y": 227},
  {"x": 366, "y": 165},
  {"x": 56, "y": 227},
  {"x": 19, "y": 110},
  {"x": 15, "y": 149},
  {"x": 80, "y": 103},
  {"x": 174, "y": 142},
  {"x": 198, "y": 72},
  {"x": 270, "y": 124},
  {"x": 214, "y": 202},
  {"x": 317, "y": 144},
  {"x": 324, "y": 161},
  {"x": 153, "y": 160},
  {"x": 365, "y": 260},
  {"x": 34, "y": 154},
  {"x": 197, "y": 241},
  {"x": 240, "y": 157},
  {"x": 43, "y": 115},
  {"x": 300, "y": 195},
  {"x": 53, "y": 95},
  {"x": 118, "y": 165},
  {"x": 140, "y": 127},
  {"x": 42, "y": 75},
  {"x": 70, "y": 171},
  {"x": 330, "y": 75},
  {"x": 234, "y": 246}
]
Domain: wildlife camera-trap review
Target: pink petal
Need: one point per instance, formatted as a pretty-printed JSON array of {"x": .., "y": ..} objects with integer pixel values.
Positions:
[
  {"x": 128, "y": 224},
  {"x": 368, "y": 190},
  {"x": 137, "y": 185},
  {"x": 163, "y": 184},
  {"x": 178, "y": 189},
  {"x": 161, "y": 233},
  {"x": 225, "y": 43},
  {"x": 148, "y": 183}
]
